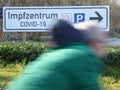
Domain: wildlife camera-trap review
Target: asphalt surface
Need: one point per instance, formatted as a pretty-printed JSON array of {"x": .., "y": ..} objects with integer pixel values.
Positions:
[{"x": 113, "y": 41}]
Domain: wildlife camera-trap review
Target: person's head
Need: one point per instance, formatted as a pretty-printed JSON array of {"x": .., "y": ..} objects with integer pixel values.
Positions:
[
  {"x": 63, "y": 33},
  {"x": 96, "y": 38},
  {"x": 87, "y": 32}
]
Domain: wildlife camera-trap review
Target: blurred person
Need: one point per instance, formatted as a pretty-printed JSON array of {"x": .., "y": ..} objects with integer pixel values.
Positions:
[
  {"x": 72, "y": 65},
  {"x": 96, "y": 37}
]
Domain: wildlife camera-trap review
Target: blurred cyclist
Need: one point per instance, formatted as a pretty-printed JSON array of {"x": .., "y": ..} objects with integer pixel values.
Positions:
[{"x": 73, "y": 65}]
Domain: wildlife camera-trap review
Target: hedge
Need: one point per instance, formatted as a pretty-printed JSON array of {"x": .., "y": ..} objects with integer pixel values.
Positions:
[
  {"x": 12, "y": 52},
  {"x": 113, "y": 56}
]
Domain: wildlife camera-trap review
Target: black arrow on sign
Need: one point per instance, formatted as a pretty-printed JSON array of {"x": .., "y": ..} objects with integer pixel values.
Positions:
[{"x": 99, "y": 18}]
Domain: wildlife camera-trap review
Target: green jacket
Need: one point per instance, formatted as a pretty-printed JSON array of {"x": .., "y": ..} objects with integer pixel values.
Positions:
[{"x": 69, "y": 67}]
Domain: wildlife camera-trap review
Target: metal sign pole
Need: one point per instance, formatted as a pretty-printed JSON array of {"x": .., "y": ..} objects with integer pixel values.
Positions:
[
  {"x": 8, "y": 34},
  {"x": 24, "y": 33},
  {"x": 24, "y": 37},
  {"x": 80, "y": 2}
]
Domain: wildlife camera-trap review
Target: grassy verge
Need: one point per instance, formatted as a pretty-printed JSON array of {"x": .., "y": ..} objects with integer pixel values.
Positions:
[
  {"x": 8, "y": 72},
  {"x": 110, "y": 83},
  {"x": 110, "y": 80}
]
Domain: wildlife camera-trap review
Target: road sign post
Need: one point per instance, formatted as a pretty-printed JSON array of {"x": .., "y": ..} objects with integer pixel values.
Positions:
[
  {"x": 40, "y": 19},
  {"x": 1, "y": 13},
  {"x": 8, "y": 34},
  {"x": 24, "y": 37}
]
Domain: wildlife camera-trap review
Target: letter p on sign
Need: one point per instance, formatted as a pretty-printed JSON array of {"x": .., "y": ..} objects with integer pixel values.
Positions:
[{"x": 79, "y": 17}]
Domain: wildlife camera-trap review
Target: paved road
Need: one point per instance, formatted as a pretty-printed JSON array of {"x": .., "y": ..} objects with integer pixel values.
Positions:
[{"x": 114, "y": 41}]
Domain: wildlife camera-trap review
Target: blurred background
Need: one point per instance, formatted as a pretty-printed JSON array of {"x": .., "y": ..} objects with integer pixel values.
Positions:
[{"x": 38, "y": 36}]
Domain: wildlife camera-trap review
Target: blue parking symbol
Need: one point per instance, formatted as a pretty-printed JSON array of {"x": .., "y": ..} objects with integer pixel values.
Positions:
[{"x": 79, "y": 17}]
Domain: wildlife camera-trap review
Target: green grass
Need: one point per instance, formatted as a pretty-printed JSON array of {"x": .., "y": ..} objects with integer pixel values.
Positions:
[
  {"x": 110, "y": 80},
  {"x": 110, "y": 83},
  {"x": 8, "y": 72}
]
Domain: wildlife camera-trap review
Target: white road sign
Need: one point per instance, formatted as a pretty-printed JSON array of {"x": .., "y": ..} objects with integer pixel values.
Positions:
[{"x": 38, "y": 19}]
